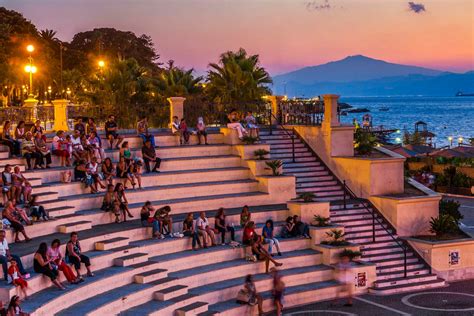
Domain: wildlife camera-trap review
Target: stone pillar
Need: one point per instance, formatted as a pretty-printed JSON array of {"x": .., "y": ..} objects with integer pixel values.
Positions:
[
  {"x": 60, "y": 115},
  {"x": 330, "y": 110},
  {"x": 32, "y": 104},
  {"x": 275, "y": 99},
  {"x": 176, "y": 107}
]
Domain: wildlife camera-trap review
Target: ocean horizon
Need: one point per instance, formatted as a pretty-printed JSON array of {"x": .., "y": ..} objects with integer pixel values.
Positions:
[{"x": 445, "y": 116}]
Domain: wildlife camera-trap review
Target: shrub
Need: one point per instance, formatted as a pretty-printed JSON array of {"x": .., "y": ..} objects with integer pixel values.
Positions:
[
  {"x": 337, "y": 237},
  {"x": 321, "y": 221},
  {"x": 364, "y": 142},
  {"x": 350, "y": 253},
  {"x": 261, "y": 153},
  {"x": 275, "y": 165},
  {"x": 249, "y": 140},
  {"x": 451, "y": 208},
  {"x": 307, "y": 197},
  {"x": 442, "y": 225}
]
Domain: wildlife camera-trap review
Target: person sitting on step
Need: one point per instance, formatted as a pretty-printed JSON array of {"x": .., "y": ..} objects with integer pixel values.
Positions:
[
  {"x": 93, "y": 171},
  {"x": 269, "y": 238},
  {"x": 249, "y": 233},
  {"x": 205, "y": 230},
  {"x": 251, "y": 123},
  {"x": 162, "y": 215},
  {"x": 6, "y": 256},
  {"x": 9, "y": 212},
  {"x": 37, "y": 210},
  {"x": 126, "y": 153},
  {"x": 201, "y": 130},
  {"x": 42, "y": 150},
  {"x": 7, "y": 183},
  {"x": 43, "y": 265},
  {"x": 135, "y": 172},
  {"x": 122, "y": 172},
  {"x": 234, "y": 123},
  {"x": 262, "y": 254},
  {"x": 149, "y": 156},
  {"x": 148, "y": 221},
  {"x": 7, "y": 139},
  {"x": 111, "y": 134},
  {"x": 21, "y": 187},
  {"x": 108, "y": 204},
  {"x": 16, "y": 278},
  {"x": 58, "y": 148},
  {"x": 122, "y": 201},
  {"x": 143, "y": 133},
  {"x": 108, "y": 170},
  {"x": 245, "y": 216},
  {"x": 75, "y": 257},
  {"x": 189, "y": 229},
  {"x": 184, "y": 132},
  {"x": 54, "y": 254},
  {"x": 28, "y": 150},
  {"x": 289, "y": 230},
  {"x": 221, "y": 225},
  {"x": 301, "y": 228}
]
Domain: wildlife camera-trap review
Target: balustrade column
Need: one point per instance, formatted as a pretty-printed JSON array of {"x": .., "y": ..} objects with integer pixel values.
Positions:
[
  {"x": 176, "y": 107},
  {"x": 60, "y": 115}
]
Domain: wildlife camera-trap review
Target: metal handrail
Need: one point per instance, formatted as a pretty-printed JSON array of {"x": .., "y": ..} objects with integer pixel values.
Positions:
[
  {"x": 292, "y": 135},
  {"x": 398, "y": 242}
]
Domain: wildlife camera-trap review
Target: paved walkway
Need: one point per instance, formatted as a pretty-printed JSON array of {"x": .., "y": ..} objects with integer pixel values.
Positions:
[
  {"x": 455, "y": 299},
  {"x": 466, "y": 209}
]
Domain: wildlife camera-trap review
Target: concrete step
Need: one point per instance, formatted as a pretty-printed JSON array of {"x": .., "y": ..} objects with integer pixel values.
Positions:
[
  {"x": 171, "y": 292},
  {"x": 410, "y": 287},
  {"x": 4, "y": 154},
  {"x": 298, "y": 155},
  {"x": 318, "y": 188},
  {"x": 299, "y": 159},
  {"x": 192, "y": 309},
  {"x": 368, "y": 239},
  {"x": 362, "y": 225},
  {"x": 130, "y": 259},
  {"x": 393, "y": 261},
  {"x": 398, "y": 267},
  {"x": 74, "y": 227},
  {"x": 391, "y": 255},
  {"x": 401, "y": 280},
  {"x": 286, "y": 146},
  {"x": 300, "y": 165},
  {"x": 112, "y": 243},
  {"x": 400, "y": 274},
  {"x": 150, "y": 276}
]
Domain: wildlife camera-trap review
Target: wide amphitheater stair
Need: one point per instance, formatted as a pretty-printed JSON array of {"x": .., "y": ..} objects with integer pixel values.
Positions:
[
  {"x": 387, "y": 249},
  {"x": 141, "y": 276}
]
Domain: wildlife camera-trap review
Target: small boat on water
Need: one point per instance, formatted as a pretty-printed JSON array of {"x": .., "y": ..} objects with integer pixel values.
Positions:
[
  {"x": 362, "y": 110},
  {"x": 384, "y": 109}
]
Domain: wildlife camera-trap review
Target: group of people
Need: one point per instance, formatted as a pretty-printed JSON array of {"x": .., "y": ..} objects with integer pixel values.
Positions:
[
  {"x": 47, "y": 261},
  {"x": 180, "y": 127},
  {"x": 245, "y": 125}
]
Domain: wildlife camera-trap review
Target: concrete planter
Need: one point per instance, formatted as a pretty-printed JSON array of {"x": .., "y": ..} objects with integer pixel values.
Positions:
[
  {"x": 247, "y": 151},
  {"x": 330, "y": 254},
  {"x": 259, "y": 167},
  {"x": 307, "y": 211},
  {"x": 319, "y": 234},
  {"x": 364, "y": 275},
  {"x": 451, "y": 259},
  {"x": 282, "y": 188}
]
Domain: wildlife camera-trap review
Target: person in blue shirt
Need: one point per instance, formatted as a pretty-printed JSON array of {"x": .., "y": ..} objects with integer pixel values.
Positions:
[{"x": 267, "y": 233}]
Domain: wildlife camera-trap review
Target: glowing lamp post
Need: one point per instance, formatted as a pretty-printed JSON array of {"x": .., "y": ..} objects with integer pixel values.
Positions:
[
  {"x": 450, "y": 141},
  {"x": 31, "y": 69},
  {"x": 460, "y": 140}
]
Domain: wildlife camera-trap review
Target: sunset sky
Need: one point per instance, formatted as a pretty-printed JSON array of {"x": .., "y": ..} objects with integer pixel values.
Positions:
[{"x": 288, "y": 34}]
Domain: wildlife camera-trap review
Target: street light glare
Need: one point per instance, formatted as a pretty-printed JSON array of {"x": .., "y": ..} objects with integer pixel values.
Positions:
[
  {"x": 30, "y": 48},
  {"x": 29, "y": 68},
  {"x": 101, "y": 63}
]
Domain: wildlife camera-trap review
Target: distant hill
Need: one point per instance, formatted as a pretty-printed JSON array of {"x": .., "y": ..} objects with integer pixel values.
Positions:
[
  {"x": 360, "y": 75},
  {"x": 445, "y": 84}
]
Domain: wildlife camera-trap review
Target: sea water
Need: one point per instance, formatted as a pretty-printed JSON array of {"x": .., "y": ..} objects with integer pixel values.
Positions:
[{"x": 446, "y": 116}]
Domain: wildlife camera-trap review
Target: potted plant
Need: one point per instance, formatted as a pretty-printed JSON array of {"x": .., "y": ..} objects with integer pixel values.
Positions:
[
  {"x": 337, "y": 238},
  {"x": 332, "y": 248},
  {"x": 443, "y": 225},
  {"x": 321, "y": 221},
  {"x": 249, "y": 140},
  {"x": 307, "y": 197},
  {"x": 261, "y": 153},
  {"x": 364, "y": 142},
  {"x": 275, "y": 166},
  {"x": 351, "y": 254}
]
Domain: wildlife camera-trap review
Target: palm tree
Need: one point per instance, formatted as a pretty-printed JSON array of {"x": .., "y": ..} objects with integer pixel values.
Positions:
[
  {"x": 238, "y": 78},
  {"x": 48, "y": 35},
  {"x": 175, "y": 81}
]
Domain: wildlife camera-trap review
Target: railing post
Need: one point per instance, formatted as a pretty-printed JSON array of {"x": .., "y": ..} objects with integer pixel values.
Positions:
[
  {"x": 293, "y": 145},
  {"x": 270, "y": 122},
  {"x": 344, "y": 192},
  {"x": 405, "y": 261},
  {"x": 373, "y": 226}
]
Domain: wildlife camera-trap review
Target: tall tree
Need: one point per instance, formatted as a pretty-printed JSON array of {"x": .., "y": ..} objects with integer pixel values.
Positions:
[
  {"x": 237, "y": 78},
  {"x": 175, "y": 81}
]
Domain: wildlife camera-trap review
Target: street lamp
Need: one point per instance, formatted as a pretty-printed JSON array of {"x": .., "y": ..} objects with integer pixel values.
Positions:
[
  {"x": 101, "y": 64},
  {"x": 450, "y": 138},
  {"x": 460, "y": 140},
  {"x": 30, "y": 69}
]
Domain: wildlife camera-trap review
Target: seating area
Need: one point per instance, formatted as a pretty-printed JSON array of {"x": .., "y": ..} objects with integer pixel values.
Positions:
[{"x": 138, "y": 275}]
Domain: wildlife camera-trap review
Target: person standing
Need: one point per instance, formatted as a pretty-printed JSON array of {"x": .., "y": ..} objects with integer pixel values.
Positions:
[
  {"x": 344, "y": 276},
  {"x": 278, "y": 291},
  {"x": 201, "y": 130}
]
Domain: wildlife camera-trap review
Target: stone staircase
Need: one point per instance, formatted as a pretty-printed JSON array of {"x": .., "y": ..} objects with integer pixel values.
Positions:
[{"x": 313, "y": 176}]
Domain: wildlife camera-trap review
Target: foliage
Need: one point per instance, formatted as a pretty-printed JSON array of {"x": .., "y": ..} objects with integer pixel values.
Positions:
[
  {"x": 350, "y": 253},
  {"x": 321, "y": 221},
  {"x": 261, "y": 153},
  {"x": 337, "y": 238},
  {"x": 307, "y": 197},
  {"x": 443, "y": 224},
  {"x": 275, "y": 165},
  {"x": 451, "y": 208},
  {"x": 452, "y": 178},
  {"x": 412, "y": 139},
  {"x": 364, "y": 142},
  {"x": 249, "y": 140},
  {"x": 237, "y": 78},
  {"x": 175, "y": 81}
]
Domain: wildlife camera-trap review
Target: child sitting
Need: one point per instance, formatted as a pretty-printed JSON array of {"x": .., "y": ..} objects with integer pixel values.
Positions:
[{"x": 16, "y": 278}]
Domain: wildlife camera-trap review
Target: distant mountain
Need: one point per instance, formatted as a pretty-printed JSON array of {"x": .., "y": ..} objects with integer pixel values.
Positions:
[
  {"x": 352, "y": 68},
  {"x": 446, "y": 84},
  {"x": 361, "y": 75}
]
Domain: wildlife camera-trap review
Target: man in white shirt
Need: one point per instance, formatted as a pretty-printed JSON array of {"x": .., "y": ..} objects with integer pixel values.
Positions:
[
  {"x": 6, "y": 256},
  {"x": 205, "y": 230}
]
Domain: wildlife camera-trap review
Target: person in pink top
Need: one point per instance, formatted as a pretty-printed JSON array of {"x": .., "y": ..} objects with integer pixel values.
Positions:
[{"x": 54, "y": 254}]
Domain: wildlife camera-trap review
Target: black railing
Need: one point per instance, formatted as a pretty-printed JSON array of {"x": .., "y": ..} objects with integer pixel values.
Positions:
[
  {"x": 371, "y": 210},
  {"x": 301, "y": 112},
  {"x": 291, "y": 135}
]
